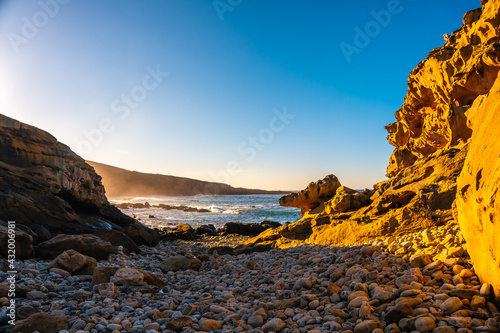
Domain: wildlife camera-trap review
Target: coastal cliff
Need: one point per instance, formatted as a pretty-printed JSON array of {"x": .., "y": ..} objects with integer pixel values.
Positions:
[
  {"x": 443, "y": 87},
  {"x": 43, "y": 183},
  {"x": 121, "y": 182},
  {"x": 478, "y": 204},
  {"x": 431, "y": 136}
]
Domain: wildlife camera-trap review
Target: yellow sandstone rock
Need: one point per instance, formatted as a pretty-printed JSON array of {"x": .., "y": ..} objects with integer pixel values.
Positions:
[{"x": 478, "y": 199}]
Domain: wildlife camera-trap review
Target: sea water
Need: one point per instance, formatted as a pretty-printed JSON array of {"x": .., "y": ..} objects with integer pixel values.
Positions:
[{"x": 223, "y": 209}]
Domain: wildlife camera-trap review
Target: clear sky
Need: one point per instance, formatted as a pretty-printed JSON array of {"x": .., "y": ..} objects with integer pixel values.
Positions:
[{"x": 254, "y": 93}]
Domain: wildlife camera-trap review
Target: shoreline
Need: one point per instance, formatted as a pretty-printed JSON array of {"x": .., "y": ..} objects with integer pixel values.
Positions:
[{"x": 420, "y": 281}]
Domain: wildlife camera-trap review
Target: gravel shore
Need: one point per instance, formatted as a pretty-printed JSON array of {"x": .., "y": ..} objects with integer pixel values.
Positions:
[{"x": 420, "y": 282}]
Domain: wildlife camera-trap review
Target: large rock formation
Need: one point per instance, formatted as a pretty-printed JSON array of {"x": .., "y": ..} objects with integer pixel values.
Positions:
[
  {"x": 421, "y": 197},
  {"x": 430, "y": 136},
  {"x": 443, "y": 86},
  {"x": 121, "y": 182},
  {"x": 478, "y": 199},
  {"x": 313, "y": 196},
  {"x": 42, "y": 182}
]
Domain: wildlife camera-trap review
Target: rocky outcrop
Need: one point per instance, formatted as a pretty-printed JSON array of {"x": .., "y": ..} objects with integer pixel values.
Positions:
[
  {"x": 478, "y": 199},
  {"x": 442, "y": 88},
  {"x": 121, "y": 182},
  {"x": 42, "y": 182},
  {"x": 430, "y": 136},
  {"x": 313, "y": 196},
  {"x": 421, "y": 197},
  {"x": 247, "y": 229}
]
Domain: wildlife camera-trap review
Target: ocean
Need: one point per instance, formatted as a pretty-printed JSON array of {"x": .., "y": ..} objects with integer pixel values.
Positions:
[{"x": 222, "y": 209}]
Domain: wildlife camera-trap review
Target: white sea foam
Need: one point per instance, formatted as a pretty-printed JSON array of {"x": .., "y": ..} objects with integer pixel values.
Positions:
[{"x": 223, "y": 209}]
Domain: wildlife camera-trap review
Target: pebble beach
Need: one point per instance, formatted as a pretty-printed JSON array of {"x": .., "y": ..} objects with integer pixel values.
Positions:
[{"x": 419, "y": 282}]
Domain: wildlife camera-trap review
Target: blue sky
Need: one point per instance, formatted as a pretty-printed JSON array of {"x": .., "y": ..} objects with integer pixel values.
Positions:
[{"x": 252, "y": 93}]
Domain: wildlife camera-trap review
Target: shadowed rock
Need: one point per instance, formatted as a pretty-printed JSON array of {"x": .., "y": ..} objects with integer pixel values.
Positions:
[
  {"x": 87, "y": 244},
  {"x": 43, "y": 182}
]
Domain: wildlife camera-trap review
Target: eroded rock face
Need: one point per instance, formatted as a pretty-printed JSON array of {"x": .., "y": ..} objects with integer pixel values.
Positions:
[
  {"x": 315, "y": 194},
  {"x": 421, "y": 197},
  {"x": 43, "y": 182},
  {"x": 430, "y": 136},
  {"x": 443, "y": 86},
  {"x": 478, "y": 199}
]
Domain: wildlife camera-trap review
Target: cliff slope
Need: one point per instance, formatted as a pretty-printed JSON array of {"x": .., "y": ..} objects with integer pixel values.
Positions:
[
  {"x": 42, "y": 182},
  {"x": 121, "y": 182},
  {"x": 430, "y": 136}
]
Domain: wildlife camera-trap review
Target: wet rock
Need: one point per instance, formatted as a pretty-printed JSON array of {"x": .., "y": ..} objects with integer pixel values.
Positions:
[
  {"x": 425, "y": 324},
  {"x": 302, "y": 283},
  {"x": 420, "y": 260},
  {"x": 74, "y": 263},
  {"x": 273, "y": 325},
  {"x": 141, "y": 235},
  {"x": 451, "y": 305},
  {"x": 247, "y": 229},
  {"x": 42, "y": 322},
  {"x": 102, "y": 274},
  {"x": 367, "y": 326},
  {"x": 182, "y": 231},
  {"x": 209, "y": 324},
  {"x": 127, "y": 277},
  {"x": 206, "y": 229},
  {"x": 178, "y": 323},
  {"x": 180, "y": 263},
  {"x": 106, "y": 289},
  {"x": 89, "y": 245},
  {"x": 117, "y": 238}
]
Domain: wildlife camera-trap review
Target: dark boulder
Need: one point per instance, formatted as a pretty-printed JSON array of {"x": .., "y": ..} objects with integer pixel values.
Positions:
[
  {"x": 86, "y": 244},
  {"x": 118, "y": 238},
  {"x": 183, "y": 231},
  {"x": 141, "y": 235}
]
